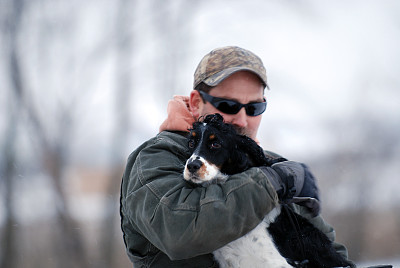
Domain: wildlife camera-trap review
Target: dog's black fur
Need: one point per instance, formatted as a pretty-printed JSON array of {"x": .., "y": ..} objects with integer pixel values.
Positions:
[{"x": 295, "y": 237}]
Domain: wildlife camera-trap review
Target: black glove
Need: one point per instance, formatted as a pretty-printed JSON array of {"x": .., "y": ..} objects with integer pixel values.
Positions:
[
  {"x": 294, "y": 184},
  {"x": 309, "y": 194}
]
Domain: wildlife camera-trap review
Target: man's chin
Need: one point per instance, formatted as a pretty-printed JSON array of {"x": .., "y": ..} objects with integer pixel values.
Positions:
[{"x": 243, "y": 131}]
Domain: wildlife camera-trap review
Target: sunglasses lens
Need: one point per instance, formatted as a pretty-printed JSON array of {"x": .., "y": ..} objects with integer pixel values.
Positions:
[
  {"x": 254, "y": 109},
  {"x": 228, "y": 107}
]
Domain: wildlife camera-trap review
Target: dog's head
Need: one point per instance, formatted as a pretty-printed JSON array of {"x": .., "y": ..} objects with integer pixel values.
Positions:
[{"x": 217, "y": 150}]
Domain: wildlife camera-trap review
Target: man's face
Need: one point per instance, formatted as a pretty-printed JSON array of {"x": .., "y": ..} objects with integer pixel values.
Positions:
[{"x": 244, "y": 87}]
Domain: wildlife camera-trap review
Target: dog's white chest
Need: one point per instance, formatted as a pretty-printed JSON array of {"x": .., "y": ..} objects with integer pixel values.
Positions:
[{"x": 255, "y": 249}]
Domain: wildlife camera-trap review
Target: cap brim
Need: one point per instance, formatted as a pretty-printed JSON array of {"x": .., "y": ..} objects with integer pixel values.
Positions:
[{"x": 217, "y": 78}]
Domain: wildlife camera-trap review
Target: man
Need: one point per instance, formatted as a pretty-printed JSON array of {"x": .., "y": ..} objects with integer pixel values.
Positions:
[{"x": 168, "y": 223}]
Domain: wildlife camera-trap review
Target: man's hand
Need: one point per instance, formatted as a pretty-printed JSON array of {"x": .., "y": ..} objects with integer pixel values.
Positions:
[
  {"x": 309, "y": 195},
  {"x": 294, "y": 184}
]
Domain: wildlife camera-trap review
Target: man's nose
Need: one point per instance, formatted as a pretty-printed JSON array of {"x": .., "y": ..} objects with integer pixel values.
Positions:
[{"x": 240, "y": 119}]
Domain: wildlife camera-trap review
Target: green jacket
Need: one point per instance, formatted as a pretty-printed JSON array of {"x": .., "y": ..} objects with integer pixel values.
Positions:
[{"x": 168, "y": 223}]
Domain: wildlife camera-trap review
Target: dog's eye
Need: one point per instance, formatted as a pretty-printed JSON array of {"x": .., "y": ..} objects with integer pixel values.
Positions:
[
  {"x": 215, "y": 145},
  {"x": 191, "y": 144}
]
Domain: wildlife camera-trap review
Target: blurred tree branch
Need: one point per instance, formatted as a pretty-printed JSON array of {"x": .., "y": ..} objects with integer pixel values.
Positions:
[{"x": 8, "y": 245}]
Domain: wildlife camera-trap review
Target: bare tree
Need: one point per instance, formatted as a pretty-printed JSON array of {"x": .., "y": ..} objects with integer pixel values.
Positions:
[
  {"x": 123, "y": 48},
  {"x": 8, "y": 245},
  {"x": 71, "y": 251}
]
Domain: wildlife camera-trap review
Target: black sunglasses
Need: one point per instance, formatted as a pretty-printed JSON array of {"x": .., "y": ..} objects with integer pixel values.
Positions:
[{"x": 233, "y": 107}]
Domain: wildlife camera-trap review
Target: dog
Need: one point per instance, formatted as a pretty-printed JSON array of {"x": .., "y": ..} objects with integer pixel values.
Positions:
[{"x": 283, "y": 238}]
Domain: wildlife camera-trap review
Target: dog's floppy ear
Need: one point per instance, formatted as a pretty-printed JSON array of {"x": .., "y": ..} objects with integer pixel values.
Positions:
[{"x": 254, "y": 152}]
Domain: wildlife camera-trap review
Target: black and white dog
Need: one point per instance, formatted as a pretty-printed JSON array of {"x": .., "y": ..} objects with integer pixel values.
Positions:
[{"x": 283, "y": 238}]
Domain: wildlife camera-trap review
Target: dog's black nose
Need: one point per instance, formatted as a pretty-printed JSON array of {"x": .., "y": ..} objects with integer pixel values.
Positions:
[{"x": 194, "y": 165}]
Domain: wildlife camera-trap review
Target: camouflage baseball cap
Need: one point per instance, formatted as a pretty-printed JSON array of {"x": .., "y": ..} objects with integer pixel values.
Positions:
[{"x": 222, "y": 62}]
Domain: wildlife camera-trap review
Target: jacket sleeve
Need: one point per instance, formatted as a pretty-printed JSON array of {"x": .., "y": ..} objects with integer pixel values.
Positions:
[{"x": 185, "y": 221}]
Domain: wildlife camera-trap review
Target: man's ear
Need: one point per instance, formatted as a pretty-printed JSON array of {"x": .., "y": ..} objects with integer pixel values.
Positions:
[{"x": 196, "y": 103}]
